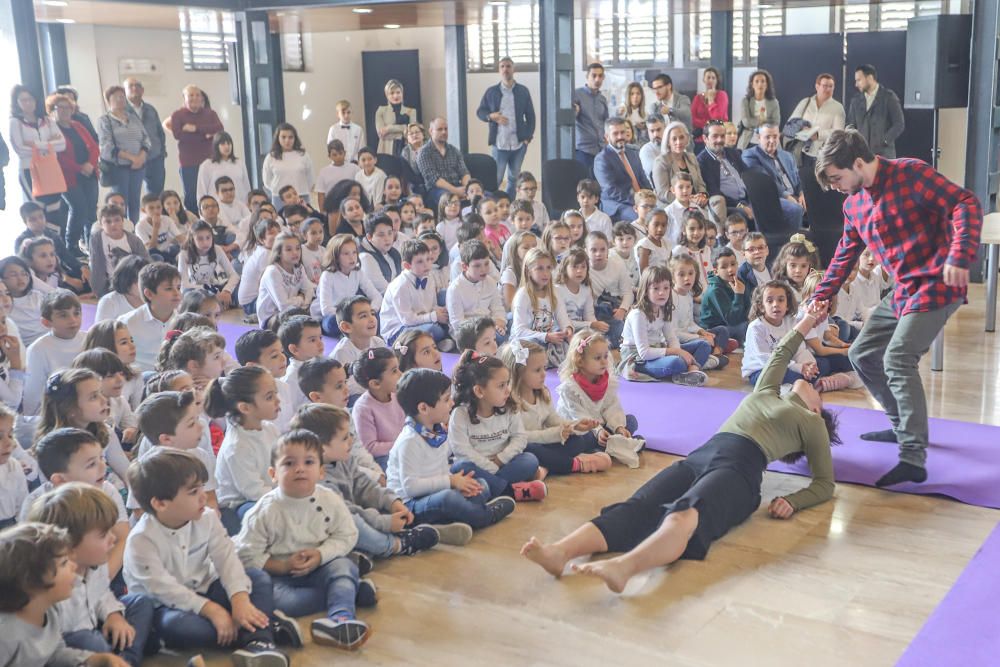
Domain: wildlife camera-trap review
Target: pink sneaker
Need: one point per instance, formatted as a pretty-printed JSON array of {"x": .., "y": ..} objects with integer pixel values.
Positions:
[
  {"x": 596, "y": 462},
  {"x": 526, "y": 491},
  {"x": 835, "y": 382}
]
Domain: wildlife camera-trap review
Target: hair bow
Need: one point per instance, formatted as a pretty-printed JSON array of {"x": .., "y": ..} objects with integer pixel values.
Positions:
[
  {"x": 172, "y": 334},
  {"x": 54, "y": 383},
  {"x": 801, "y": 238},
  {"x": 581, "y": 347},
  {"x": 520, "y": 352},
  {"x": 371, "y": 353},
  {"x": 402, "y": 349},
  {"x": 475, "y": 356}
]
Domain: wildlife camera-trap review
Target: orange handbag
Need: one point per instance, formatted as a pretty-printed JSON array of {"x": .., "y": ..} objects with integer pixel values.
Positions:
[{"x": 46, "y": 174}]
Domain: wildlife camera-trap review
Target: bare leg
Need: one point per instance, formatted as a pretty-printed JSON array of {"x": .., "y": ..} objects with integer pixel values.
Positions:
[
  {"x": 583, "y": 541},
  {"x": 661, "y": 548}
]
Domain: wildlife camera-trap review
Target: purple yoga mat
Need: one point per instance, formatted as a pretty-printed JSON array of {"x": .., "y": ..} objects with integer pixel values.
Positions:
[{"x": 964, "y": 629}]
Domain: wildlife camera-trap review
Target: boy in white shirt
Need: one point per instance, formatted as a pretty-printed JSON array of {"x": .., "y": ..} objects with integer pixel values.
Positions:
[
  {"x": 302, "y": 340},
  {"x": 371, "y": 178},
  {"x": 301, "y": 533},
  {"x": 162, "y": 236},
  {"x": 61, "y": 315},
  {"x": 359, "y": 324},
  {"x": 231, "y": 210},
  {"x": 339, "y": 169},
  {"x": 624, "y": 245},
  {"x": 475, "y": 293},
  {"x": 736, "y": 232},
  {"x": 410, "y": 304},
  {"x": 588, "y": 194},
  {"x": 351, "y": 135},
  {"x": 683, "y": 187},
  {"x": 380, "y": 261},
  {"x": 611, "y": 285},
  {"x": 179, "y": 554},
  {"x": 160, "y": 284}
]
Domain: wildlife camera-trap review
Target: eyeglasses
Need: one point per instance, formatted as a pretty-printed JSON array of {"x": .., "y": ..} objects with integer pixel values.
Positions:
[{"x": 561, "y": 239}]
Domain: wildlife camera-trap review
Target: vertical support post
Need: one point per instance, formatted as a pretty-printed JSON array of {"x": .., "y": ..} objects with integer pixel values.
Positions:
[
  {"x": 937, "y": 347},
  {"x": 52, "y": 37},
  {"x": 722, "y": 45},
  {"x": 26, "y": 36},
  {"x": 456, "y": 102},
  {"x": 260, "y": 91},
  {"x": 556, "y": 57}
]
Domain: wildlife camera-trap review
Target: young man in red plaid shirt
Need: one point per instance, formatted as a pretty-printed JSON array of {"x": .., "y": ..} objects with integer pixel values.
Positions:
[{"x": 924, "y": 230}]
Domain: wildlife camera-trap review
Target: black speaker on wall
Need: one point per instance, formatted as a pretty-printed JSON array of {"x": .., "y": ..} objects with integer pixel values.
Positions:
[{"x": 937, "y": 61}]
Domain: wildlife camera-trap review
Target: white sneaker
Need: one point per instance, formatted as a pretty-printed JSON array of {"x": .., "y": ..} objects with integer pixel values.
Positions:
[{"x": 711, "y": 364}]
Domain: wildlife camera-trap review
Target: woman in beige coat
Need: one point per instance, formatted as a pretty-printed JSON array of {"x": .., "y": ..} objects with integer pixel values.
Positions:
[
  {"x": 391, "y": 119},
  {"x": 675, "y": 158}
]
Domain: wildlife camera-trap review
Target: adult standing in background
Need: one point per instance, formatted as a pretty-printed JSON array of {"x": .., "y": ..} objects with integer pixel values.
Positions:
[
  {"x": 780, "y": 166},
  {"x": 875, "y": 112},
  {"x": 508, "y": 109},
  {"x": 591, "y": 109},
  {"x": 441, "y": 165},
  {"x": 824, "y": 115},
  {"x": 193, "y": 126},
  {"x": 633, "y": 109},
  {"x": 124, "y": 144},
  {"x": 758, "y": 107},
  {"x": 30, "y": 129},
  {"x": 391, "y": 119},
  {"x": 155, "y": 170},
  {"x": 79, "y": 168},
  {"x": 78, "y": 115},
  {"x": 670, "y": 104},
  {"x": 710, "y": 104},
  {"x": 649, "y": 150},
  {"x": 618, "y": 169}
]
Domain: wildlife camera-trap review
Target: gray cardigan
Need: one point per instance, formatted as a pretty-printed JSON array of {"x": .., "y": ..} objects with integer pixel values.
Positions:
[
  {"x": 750, "y": 121},
  {"x": 100, "y": 272},
  {"x": 880, "y": 125},
  {"x": 363, "y": 495}
]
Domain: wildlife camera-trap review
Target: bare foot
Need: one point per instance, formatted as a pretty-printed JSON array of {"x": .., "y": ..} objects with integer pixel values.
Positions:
[
  {"x": 612, "y": 571},
  {"x": 550, "y": 557}
]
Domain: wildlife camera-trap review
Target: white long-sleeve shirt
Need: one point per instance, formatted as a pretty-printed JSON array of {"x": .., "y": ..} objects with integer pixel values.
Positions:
[
  {"x": 648, "y": 339},
  {"x": 11, "y": 385},
  {"x": 219, "y": 274},
  {"x": 291, "y": 378},
  {"x": 13, "y": 488},
  {"x": 631, "y": 266},
  {"x": 346, "y": 352},
  {"x": 241, "y": 469},
  {"x": 371, "y": 269},
  {"x": 27, "y": 315},
  {"x": 23, "y": 138},
  {"x": 280, "y": 525},
  {"x": 501, "y": 436},
  {"x": 373, "y": 184},
  {"x": 112, "y": 306},
  {"x": 294, "y": 168},
  {"x": 405, "y": 306},
  {"x": 683, "y": 317},
  {"x": 177, "y": 566},
  {"x": 148, "y": 333},
  {"x": 253, "y": 271},
  {"x": 467, "y": 300},
  {"x": 574, "y": 404},
  {"x": 448, "y": 229},
  {"x": 209, "y": 172},
  {"x": 579, "y": 306},
  {"x": 334, "y": 287},
  {"x": 280, "y": 290},
  {"x": 415, "y": 468},
  {"x": 533, "y": 323},
  {"x": 763, "y": 337},
  {"x": 168, "y": 231},
  {"x": 46, "y": 355},
  {"x": 865, "y": 296},
  {"x": 542, "y": 424},
  {"x": 599, "y": 221},
  {"x": 613, "y": 279},
  {"x": 90, "y": 603}
]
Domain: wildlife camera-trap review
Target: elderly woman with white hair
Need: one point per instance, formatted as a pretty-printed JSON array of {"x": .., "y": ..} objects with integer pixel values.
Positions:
[
  {"x": 392, "y": 119},
  {"x": 675, "y": 158}
]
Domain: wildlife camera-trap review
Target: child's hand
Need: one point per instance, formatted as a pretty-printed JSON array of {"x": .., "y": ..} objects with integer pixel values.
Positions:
[
  {"x": 567, "y": 430},
  {"x": 621, "y": 430},
  {"x": 12, "y": 348},
  {"x": 555, "y": 337},
  {"x": 817, "y": 309},
  {"x": 686, "y": 356},
  {"x": 398, "y": 507},
  {"x": 602, "y": 437},
  {"x": 619, "y": 314},
  {"x": 225, "y": 298},
  {"x": 398, "y": 522},
  {"x": 738, "y": 286},
  {"x": 129, "y": 435},
  {"x": 810, "y": 371},
  {"x": 305, "y": 562},
  {"x": 597, "y": 325},
  {"x": 246, "y": 615},
  {"x": 118, "y": 632},
  {"x": 707, "y": 336},
  {"x": 225, "y": 626},
  {"x": 382, "y": 480},
  {"x": 500, "y": 324},
  {"x": 442, "y": 314},
  {"x": 466, "y": 483},
  {"x": 780, "y": 509}
]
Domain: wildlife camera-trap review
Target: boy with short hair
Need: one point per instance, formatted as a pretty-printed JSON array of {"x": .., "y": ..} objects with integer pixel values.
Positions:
[
  {"x": 611, "y": 286},
  {"x": 478, "y": 334},
  {"x": 527, "y": 188},
  {"x": 35, "y": 575},
  {"x": 425, "y": 223},
  {"x": 302, "y": 340},
  {"x": 162, "y": 236},
  {"x": 231, "y": 210},
  {"x": 473, "y": 188},
  {"x": 736, "y": 232},
  {"x": 359, "y": 324},
  {"x": 109, "y": 245},
  {"x": 625, "y": 233},
  {"x": 160, "y": 284},
  {"x": 255, "y": 199},
  {"x": 339, "y": 169},
  {"x": 33, "y": 216},
  {"x": 180, "y": 554},
  {"x": 93, "y": 618},
  {"x": 418, "y": 469},
  {"x": 350, "y": 134},
  {"x": 410, "y": 304},
  {"x": 290, "y": 197},
  {"x": 645, "y": 202},
  {"x": 62, "y": 316},
  {"x": 753, "y": 271},
  {"x": 380, "y": 261},
  {"x": 475, "y": 293},
  {"x": 682, "y": 186},
  {"x": 371, "y": 178},
  {"x": 378, "y": 513},
  {"x": 726, "y": 301},
  {"x": 471, "y": 230},
  {"x": 588, "y": 196},
  {"x": 262, "y": 347},
  {"x": 224, "y": 233}
]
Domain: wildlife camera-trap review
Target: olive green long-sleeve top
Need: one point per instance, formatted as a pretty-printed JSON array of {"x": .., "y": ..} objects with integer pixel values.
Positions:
[{"x": 782, "y": 426}]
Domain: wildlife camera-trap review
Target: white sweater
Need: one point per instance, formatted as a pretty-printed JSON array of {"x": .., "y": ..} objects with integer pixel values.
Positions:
[
  {"x": 280, "y": 525},
  {"x": 415, "y": 468},
  {"x": 683, "y": 317},
  {"x": 13, "y": 488},
  {"x": 253, "y": 270},
  {"x": 219, "y": 274},
  {"x": 542, "y": 424},
  {"x": 46, "y": 355},
  {"x": 501, "y": 436},
  {"x": 532, "y": 324},
  {"x": 209, "y": 172},
  {"x": 763, "y": 337},
  {"x": 448, "y": 229},
  {"x": 334, "y": 287},
  {"x": 177, "y": 566},
  {"x": 23, "y": 138},
  {"x": 468, "y": 300},
  {"x": 373, "y": 184},
  {"x": 280, "y": 290},
  {"x": 90, "y": 603},
  {"x": 27, "y": 314},
  {"x": 613, "y": 279},
  {"x": 574, "y": 404},
  {"x": 579, "y": 306},
  {"x": 294, "y": 168},
  {"x": 648, "y": 340},
  {"x": 241, "y": 469},
  {"x": 599, "y": 221},
  {"x": 112, "y": 306}
]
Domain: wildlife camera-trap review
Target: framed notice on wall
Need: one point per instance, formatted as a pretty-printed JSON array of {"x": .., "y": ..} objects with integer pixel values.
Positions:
[{"x": 147, "y": 70}]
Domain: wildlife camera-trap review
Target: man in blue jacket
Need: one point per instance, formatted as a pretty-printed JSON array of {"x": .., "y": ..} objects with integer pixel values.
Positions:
[
  {"x": 508, "y": 109},
  {"x": 619, "y": 171},
  {"x": 779, "y": 164}
]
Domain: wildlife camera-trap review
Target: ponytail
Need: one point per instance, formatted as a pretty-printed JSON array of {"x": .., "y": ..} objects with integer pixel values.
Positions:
[{"x": 224, "y": 394}]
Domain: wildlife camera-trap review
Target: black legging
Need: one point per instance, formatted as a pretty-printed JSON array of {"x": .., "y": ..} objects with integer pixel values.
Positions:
[
  {"x": 721, "y": 479},
  {"x": 558, "y": 458}
]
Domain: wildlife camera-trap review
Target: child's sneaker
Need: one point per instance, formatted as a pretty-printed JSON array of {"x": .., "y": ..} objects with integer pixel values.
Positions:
[
  {"x": 500, "y": 508},
  {"x": 723, "y": 362},
  {"x": 259, "y": 654},
  {"x": 732, "y": 345},
  {"x": 456, "y": 534},
  {"x": 196, "y": 661},
  {"x": 446, "y": 345},
  {"x": 364, "y": 563},
  {"x": 711, "y": 363},
  {"x": 594, "y": 462},
  {"x": 690, "y": 379},
  {"x": 524, "y": 491},
  {"x": 345, "y": 633},
  {"x": 367, "y": 595},
  {"x": 417, "y": 539},
  {"x": 286, "y": 630},
  {"x": 834, "y": 382},
  {"x": 250, "y": 319}
]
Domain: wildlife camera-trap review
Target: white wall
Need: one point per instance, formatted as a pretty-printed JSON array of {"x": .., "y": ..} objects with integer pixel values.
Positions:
[{"x": 476, "y": 85}]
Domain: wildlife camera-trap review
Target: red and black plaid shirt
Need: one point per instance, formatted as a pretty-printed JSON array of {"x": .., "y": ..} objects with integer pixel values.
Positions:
[{"x": 914, "y": 220}]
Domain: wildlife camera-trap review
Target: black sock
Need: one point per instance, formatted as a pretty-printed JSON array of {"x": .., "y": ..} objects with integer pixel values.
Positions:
[
  {"x": 887, "y": 435},
  {"x": 903, "y": 472}
]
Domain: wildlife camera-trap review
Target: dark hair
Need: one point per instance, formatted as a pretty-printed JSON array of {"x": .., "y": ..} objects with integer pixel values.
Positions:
[
  {"x": 652, "y": 275},
  {"x": 54, "y": 450},
  {"x": 867, "y": 70},
  {"x": 291, "y": 331},
  {"x": 222, "y": 180},
  {"x": 623, "y": 228},
  {"x": 371, "y": 365},
  {"x": 442, "y": 258},
  {"x": 472, "y": 250},
  {"x": 102, "y": 335},
  {"x": 598, "y": 236},
  {"x": 420, "y": 385},
  {"x": 15, "y": 108},
  {"x": 590, "y": 186},
  {"x": 294, "y": 210},
  {"x": 177, "y": 350},
  {"x": 322, "y": 419},
  {"x": 470, "y": 229},
  {"x": 718, "y": 77},
  {"x": 593, "y": 66},
  {"x": 312, "y": 374},
  {"x": 193, "y": 300},
  {"x": 341, "y": 191},
  {"x": 187, "y": 320},
  {"x": 413, "y": 248},
  {"x": 61, "y": 397},
  {"x": 102, "y": 361},
  {"x": 757, "y": 299},
  {"x": 725, "y": 252},
  {"x": 407, "y": 340},
  {"x": 831, "y": 420},
  {"x": 160, "y": 413},
  {"x": 260, "y": 226},
  {"x": 239, "y": 385},
  {"x": 696, "y": 215},
  {"x": 161, "y": 381},
  {"x": 222, "y": 138},
  {"x": 162, "y": 473},
  {"x": 250, "y": 345},
  {"x": 335, "y": 145},
  {"x": 153, "y": 275},
  {"x": 283, "y": 316},
  {"x": 840, "y": 150},
  {"x": 345, "y": 307},
  {"x": 58, "y": 299},
  {"x": 182, "y": 213},
  {"x": 475, "y": 370},
  {"x": 28, "y": 553},
  {"x": 29, "y": 207},
  {"x": 276, "y": 150},
  {"x": 5, "y": 264},
  {"x": 469, "y": 331},
  {"x": 798, "y": 250},
  {"x": 374, "y": 220},
  {"x": 191, "y": 249},
  {"x": 126, "y": 273},
  {"x": 29, "y": 246},
  {"x": 768, "y": 91},
  {"x": 299, "y": 436}
]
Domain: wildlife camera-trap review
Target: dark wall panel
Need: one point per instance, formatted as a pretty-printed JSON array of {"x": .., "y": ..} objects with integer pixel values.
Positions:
[
  {"x": 377, "y": 68},
  {"x": 795, "y": 61}
]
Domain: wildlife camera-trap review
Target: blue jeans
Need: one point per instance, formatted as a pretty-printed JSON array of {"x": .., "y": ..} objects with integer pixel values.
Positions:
[
  {"x": 557, "y": 457},
  {"x": 586, "y": 159},
  {"x": 792, "y": 213},
  {"x": 604, "y": 311},
  {"x": 232, "y": 517},
  {"x": 521, "y": 468},
  {"x": 509, "y": 161},
  {"x": 128, "y": 183},
  {"x": 846, "y": 331},
  {"x": 437, "y": 331},
  {"x": 189, "y": 179},
  {"x": 373, "y": 541},
  {"x": 833, "y": 363},
  {"x": 328, "y": 325},
  {"x": 383, "y": 461},
  {"x": 332, "y": 587},
  {"x": 82, "y": 202},
  {"x": 450, "y": 505},
  {"x": 722, "y": 335},
  {"x": 670, "y": 364},
  {"x": 156, "y": 175},
  {"x": 139, "y": 614},
  {"x": 185, "y": 630},
  {"x": 789, "y": 378}
]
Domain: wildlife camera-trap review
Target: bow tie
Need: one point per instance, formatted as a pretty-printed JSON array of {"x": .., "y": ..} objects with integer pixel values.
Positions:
[
  {"x": 346, "y": 127},
  {"x": 420, "y": 283}
]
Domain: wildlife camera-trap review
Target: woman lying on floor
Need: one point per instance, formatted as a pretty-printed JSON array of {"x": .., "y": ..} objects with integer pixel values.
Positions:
[{"x": 686, "y": 507}]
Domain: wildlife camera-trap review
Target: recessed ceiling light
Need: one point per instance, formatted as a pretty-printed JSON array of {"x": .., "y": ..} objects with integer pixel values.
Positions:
[
  {"x": 391, "y": 26},
  {"x": 55, "y": 3},
  {"x": 362, "y": 10}
]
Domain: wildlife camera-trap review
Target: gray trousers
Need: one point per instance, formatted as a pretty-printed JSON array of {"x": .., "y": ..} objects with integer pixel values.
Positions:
[{"x": 886, "y": 356}]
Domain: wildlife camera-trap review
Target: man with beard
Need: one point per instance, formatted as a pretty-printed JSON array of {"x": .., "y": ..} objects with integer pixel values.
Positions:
[{"x": 619, "y": 171}]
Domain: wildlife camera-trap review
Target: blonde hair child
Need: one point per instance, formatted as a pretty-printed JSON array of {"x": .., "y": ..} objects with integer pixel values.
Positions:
[
  {"x": 285, "y": 283},
  {"x": 539, "y": 315}
]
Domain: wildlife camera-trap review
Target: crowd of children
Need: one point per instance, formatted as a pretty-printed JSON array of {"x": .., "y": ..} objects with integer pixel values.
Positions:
[{"x": 262, "y": 488}]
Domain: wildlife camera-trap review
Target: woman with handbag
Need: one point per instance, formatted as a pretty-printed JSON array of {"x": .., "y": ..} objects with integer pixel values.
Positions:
[
  {"x": 79, "y": 168},
  {"x": 759, "y": 106},
  {"x": 37, "y": 140},
  {"x": 710, "y": 104},
  {"x": 124, "y": 146}
]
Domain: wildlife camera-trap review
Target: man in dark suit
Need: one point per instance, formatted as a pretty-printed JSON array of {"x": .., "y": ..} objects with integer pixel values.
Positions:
[
  {"x": 875, "y": 112},
  {"x": 619, "y": 171},
  {"x": 780, "y": 166},
  {"x": 721, "y": 168}
]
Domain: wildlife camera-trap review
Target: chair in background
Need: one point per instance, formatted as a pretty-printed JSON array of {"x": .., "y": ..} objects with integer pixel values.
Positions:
[
  {"x": 390, "y": 164},
  {"x": 825, "y": 211},
  {"x": 483, "y": 168},
  {"x": 559, "y": 179},
  {"x": 768, "y": 218}
]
